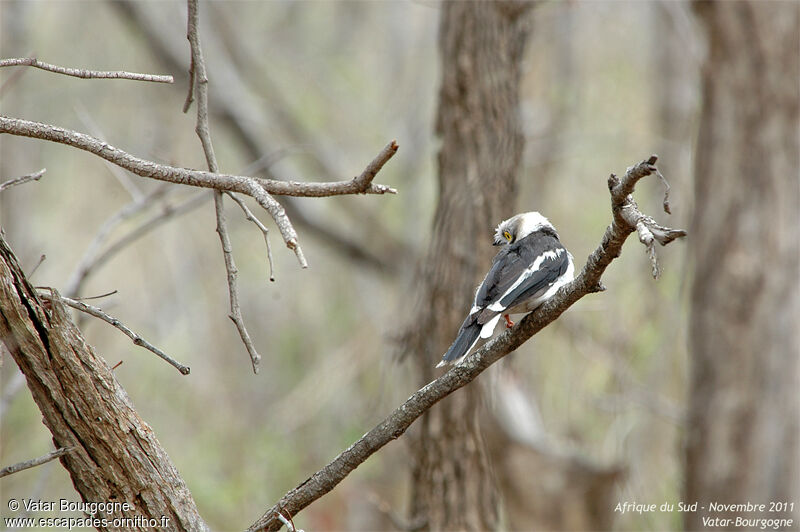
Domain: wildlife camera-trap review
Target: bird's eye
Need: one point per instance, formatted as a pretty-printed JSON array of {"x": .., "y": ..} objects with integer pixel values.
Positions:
[{"x": 507, "y": 235}]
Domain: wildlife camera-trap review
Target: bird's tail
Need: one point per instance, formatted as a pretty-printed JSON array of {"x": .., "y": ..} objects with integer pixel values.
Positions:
[{"x": 467, "y": 337}]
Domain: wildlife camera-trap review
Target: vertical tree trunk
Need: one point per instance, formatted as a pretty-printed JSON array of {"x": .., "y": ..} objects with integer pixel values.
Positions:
[
  {"x": 481, "y": 45},
  {"x": 742, "y": 442},
  {"x": 115, "y": 456}
]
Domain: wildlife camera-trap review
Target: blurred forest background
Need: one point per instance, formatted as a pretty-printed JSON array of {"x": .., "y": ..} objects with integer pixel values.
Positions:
[{"x": 313, "y": 90}]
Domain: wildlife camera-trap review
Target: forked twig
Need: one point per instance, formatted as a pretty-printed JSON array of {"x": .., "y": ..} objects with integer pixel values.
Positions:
[{"x": 98, "y": 313}]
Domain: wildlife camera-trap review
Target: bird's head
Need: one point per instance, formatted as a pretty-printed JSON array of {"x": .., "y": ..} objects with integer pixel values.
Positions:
[{"x": 519, "y": 226}]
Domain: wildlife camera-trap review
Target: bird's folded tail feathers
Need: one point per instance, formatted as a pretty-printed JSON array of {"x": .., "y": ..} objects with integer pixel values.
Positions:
[{"x": 467, "y": 337}]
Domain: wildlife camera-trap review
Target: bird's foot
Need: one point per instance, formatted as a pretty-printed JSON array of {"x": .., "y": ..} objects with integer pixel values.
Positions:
[{"x": 509, "y": 323}]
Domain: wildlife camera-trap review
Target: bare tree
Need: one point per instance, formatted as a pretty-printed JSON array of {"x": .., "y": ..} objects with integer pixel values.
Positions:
[{"x": 744, "y": 418}]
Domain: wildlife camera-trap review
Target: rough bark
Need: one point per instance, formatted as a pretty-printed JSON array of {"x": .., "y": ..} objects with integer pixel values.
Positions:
[
  {"x": 481, "y": 46},
  {"x": 742, "y": 441},
  {"x": 115, "y": 456}
]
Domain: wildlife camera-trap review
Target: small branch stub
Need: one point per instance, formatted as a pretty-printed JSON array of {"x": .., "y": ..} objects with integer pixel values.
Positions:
[{"x": 21, "y": 466}]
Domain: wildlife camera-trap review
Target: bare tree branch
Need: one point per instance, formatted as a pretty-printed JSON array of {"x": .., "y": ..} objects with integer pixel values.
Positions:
[
  {"x": 131, "y": 209},
  {"x": 361, "y": 184},
  {"x": 200, "y": 83},
  {"x": 231, "y": 110},
  {"x": 21, "y": 466},
  {"x": 121, "y": 175},
  {"x": 93, "y": 259},
  {"x": 258, "y": 188},
  {"x": 393, "y": 426},
  {"x": 99, "y": 313},
  {"x": 35, "y": 176},
  {"x": 85, "y": 74}
]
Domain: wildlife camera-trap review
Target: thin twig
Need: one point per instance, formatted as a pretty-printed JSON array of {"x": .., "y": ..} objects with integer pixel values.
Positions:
[
  {"x": 200, "y": 79},
  {"x": 22, "y": 179},
  {"x": 120, "y": 174},
  {"x": 85, "y": 74},
  {"x": 98, "y": 313},
  {"x": 252, "y": 217},
  {"x": 100, "y": 296},
  {"x": 42, "y": 258},
  {"x": 190, "y": 94},
  {"x": 395, "y": 424},
  {"x": 361, "y": 184},
  {"x": 233, "y": 292},
  {"x": 93, "y": 259},
  {"x": 665, "y": 203},
  {"x": 21, "y": 466}
]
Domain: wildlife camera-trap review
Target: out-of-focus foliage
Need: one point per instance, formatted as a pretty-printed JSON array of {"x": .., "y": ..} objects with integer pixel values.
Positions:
[{"x": 608, "y": 376}]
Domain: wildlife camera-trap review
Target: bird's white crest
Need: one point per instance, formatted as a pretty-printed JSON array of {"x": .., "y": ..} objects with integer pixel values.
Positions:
[{"x": 530, "y": 222}]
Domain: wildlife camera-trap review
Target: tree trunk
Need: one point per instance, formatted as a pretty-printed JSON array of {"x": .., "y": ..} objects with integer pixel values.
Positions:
[
  {"x": 115, "y": 456},
  {"x": 742, "y": 442},
  {"x": 481, "y": 46}
]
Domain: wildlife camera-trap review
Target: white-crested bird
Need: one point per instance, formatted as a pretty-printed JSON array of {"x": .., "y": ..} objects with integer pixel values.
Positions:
[{"x": 528, "y": 270}]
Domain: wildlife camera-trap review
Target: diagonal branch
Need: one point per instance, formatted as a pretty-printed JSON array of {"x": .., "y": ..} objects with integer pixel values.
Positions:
[
  {"x": 99, "y": 313},
  {"x": 35, "y": 176},
  {"x": 89, "y": 257},
  {"x": 85, "y": 74},
  {"x": 261, "y": 227},
  {"x": 393, "y": 426}
]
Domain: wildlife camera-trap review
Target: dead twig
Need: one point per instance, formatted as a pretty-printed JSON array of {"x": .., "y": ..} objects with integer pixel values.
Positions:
[
  {"x": 264, "y": 231},
  {"x": 200, "y": 80},
  {"x": 85, "y": 74},
  {"x": 21, "y": 466},
  {"x": 98, "y": 313},
  {"x": 35, "y": 176},
  {"x": 93, "y": 258}
]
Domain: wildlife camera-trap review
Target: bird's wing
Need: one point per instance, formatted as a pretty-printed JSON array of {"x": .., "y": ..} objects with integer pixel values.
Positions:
[
  {"x": 521, "y": 271},
  {"x": 534, "y": 280}
]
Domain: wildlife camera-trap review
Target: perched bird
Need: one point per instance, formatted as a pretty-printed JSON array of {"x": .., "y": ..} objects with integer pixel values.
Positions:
[{"x": 528, "y": 270}]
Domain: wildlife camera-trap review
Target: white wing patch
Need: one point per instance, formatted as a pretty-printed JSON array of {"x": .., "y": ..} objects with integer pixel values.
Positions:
[
  {"x": 488, "y": 327},
  {"x": 497, "y": 306}
]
